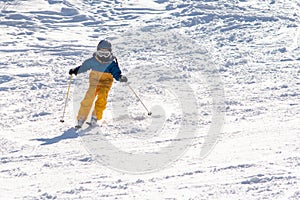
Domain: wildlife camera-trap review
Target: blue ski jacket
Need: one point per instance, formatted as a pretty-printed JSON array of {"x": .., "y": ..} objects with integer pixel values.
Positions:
[{"x": 111, "y": 67}]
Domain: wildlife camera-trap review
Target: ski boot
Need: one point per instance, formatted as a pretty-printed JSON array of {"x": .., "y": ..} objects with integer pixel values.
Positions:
[
  {"x": 79, "y": 124},
  {"x": 93, "y": 121}
]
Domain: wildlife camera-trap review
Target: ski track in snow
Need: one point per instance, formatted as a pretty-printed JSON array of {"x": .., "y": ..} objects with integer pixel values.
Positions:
[{"x": 255, "y": 46}]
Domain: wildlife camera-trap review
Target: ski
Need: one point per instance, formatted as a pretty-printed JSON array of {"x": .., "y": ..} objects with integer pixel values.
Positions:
[
  {"x": 90, "y": 124},
  {"x": 77, "y": 127}
]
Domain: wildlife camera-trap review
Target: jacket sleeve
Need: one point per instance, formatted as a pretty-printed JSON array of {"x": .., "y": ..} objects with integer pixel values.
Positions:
[
  {"x": 115, "y": 70},
  {"x": 86, "y": 65}
]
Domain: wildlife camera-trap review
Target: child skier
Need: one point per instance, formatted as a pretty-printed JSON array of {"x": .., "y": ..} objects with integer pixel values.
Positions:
[{"x": 104, "y": 67}]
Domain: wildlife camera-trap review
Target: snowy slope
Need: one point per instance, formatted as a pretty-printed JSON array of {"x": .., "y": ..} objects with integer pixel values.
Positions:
[{"x": 221, "y": 78}]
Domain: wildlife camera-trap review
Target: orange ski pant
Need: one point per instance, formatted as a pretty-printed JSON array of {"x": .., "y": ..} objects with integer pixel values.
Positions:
[{"x": 99, "y": 85}]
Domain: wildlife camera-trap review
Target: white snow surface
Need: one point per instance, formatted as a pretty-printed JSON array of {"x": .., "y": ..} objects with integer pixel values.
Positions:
[{"x": 254, "y": 50}]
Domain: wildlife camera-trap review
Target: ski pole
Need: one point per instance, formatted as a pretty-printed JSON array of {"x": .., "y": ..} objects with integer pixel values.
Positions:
[
  {"x": 67, "y": 96},
  {"x": 149, "y": 113}
]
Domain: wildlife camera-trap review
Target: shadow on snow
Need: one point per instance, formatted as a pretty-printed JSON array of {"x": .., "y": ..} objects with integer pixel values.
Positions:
[{"x": 68, "y": 134}]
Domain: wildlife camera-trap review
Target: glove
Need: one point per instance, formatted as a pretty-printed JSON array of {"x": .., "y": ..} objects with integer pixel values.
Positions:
[
  {"x": 123, "y": 79},
  {"x": 74, "y": 71},
  {"x": 71, "y": 71}
]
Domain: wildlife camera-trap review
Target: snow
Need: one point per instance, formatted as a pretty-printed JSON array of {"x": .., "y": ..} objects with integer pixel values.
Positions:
[{"x": 220, "y": 77}]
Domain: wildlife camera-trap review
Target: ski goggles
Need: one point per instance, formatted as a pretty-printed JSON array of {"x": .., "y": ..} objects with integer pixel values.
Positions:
[{"x": 103, "y": 53}]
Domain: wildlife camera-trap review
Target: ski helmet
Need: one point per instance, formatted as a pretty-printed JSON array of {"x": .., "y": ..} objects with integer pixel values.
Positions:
[{"x": 104, "y": 44}]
